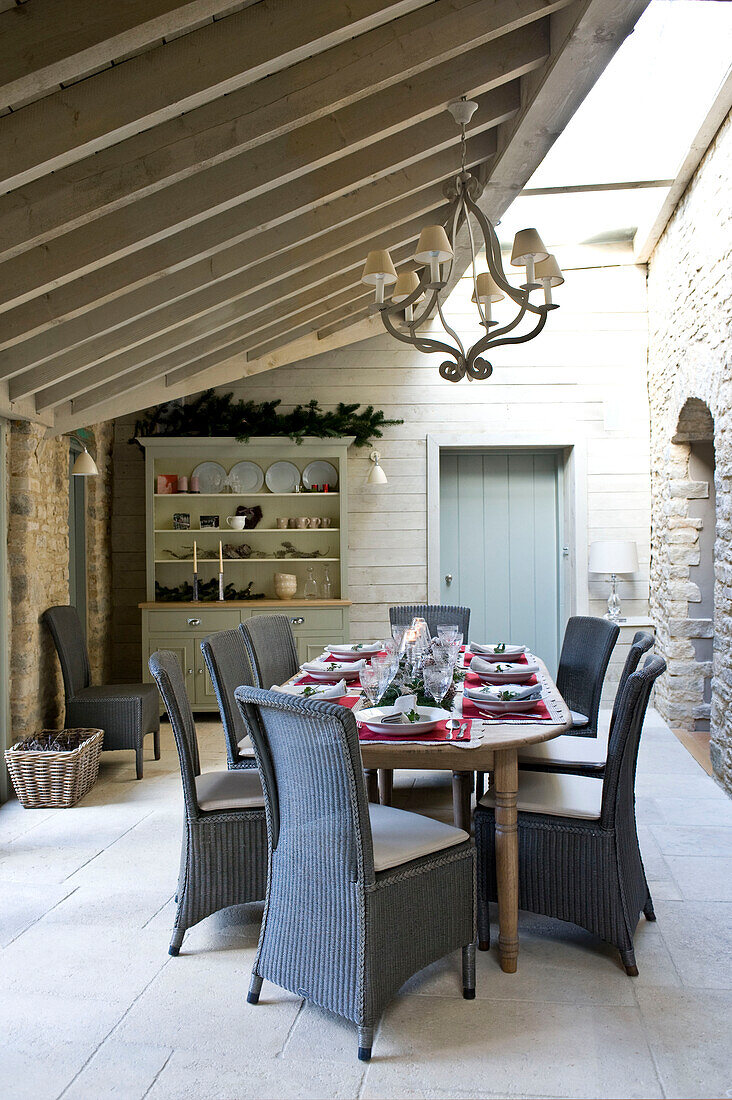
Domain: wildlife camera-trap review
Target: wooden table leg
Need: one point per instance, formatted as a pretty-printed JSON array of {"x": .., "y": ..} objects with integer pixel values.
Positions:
[
  {"x": 386, "y": 785},
  {"x": 462, "y": 786},
  {"x": 506, "y": 790},
  {"x": 372, "y": 784}
]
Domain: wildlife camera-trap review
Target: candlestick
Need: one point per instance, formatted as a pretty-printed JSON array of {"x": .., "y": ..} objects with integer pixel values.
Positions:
[
  {"x": 221, "y": 586},
  {"x": 195, "y": 587}
]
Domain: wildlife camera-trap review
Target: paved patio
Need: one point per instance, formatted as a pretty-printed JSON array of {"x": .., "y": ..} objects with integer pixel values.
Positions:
[{"x": 91, "y": 1005}]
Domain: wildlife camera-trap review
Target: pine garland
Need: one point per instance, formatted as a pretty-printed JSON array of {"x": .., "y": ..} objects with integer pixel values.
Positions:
[{"x": 214, "y": 414}]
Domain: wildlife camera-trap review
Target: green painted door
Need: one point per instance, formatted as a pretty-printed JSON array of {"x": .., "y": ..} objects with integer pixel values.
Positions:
[{"x": 500, "y": 545}]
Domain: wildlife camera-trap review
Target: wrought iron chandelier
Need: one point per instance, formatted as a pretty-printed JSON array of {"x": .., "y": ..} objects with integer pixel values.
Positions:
[{"x": 435, "y": 254}]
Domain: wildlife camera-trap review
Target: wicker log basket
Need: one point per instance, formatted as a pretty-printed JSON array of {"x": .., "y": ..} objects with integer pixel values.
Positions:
[{"x": 55, "y": 777}]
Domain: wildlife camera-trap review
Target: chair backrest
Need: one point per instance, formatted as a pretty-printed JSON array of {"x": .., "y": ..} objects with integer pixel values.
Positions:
[
  {"x": 321, "y": 851},
  {"x": 642, "y": 642},
  {"x": 619, "y": 780},
  {"x": 433, "y": 614},
  {"x": 586, "y": 649},
  {"x": 226, "y": 657},
  {"x": 271, "y": 648},
  {"x": 68, "y": 637},
  {"x": 168, "y": 675}
]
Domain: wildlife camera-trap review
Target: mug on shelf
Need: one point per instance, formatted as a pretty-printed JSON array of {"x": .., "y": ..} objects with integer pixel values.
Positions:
[
  {"x": 325, "y": 521},
  {"x": 236, "y": 523},
  {"x": 281, "y": 522},
  {"x": 315, "y": 521},
  {"x": 292, "y": 522},
  {"x": 285, "y": 585},
  {"x": 302, "y": 522}
]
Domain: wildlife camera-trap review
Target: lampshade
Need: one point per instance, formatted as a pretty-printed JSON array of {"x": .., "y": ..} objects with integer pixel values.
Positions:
[
  {"x": 549, "y": 269},
  {"x": 84, "y": 466},
  {"x": 405, "y": 285},
  {"x": 527, "y": 245},
  {"x": 488, "y": 288},
  {"x": 376, "y": 475},
  {"x": 613, "y": 556},
  {"x": 433, "y": 245},
  {"x": 379, "y": 266}
]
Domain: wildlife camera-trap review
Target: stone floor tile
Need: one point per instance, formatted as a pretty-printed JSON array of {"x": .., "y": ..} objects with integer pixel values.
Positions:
[
  {"x": 22, "y": 904},
  {"x": 699, "y": 939},
  {"x": 693, "y": 784},
  {"x": 41, "y": 1070},
  {"x": 688, "y": 1032},
  {"x": 687, "y": 840},
  {"x": 511, "y": 1047},
  {"x": 101, "y": 905},
  {"x": 679, "y": 810},
  {"x": 119, "y": 1071},
  {"x": 703, "y": 878}
]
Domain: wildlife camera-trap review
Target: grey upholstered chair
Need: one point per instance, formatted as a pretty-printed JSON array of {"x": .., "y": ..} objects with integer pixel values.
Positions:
[
  {"x": 359, "y": 897},
  {"x": 434, "y": 614},
  {"x": 579, "y": 858},
  {"x": 271, "y": 648},
  {"x": 586, "y": 649},
  {"x": 126, "y": 712},
  {"x": 227, "y": 660},
  {"x": 584, "y": 755},
  {"x": 224, "y": 853}
]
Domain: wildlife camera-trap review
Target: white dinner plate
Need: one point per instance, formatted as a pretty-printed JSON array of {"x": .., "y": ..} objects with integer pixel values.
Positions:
[
  {"x": 245, "y": 477},
  {"x": 320, "y": 473},
  {"x": 505, "y": 706},
  {"x": 429, "y": 717},
  {"x": 519, "y": 675},
  {"x": 342, "y": 670},
  {"x": 355, "y": 651},
  {"x": 488, "y": 651},
  {"x": 211, "y": 477},
  {"x": 282, "y": 477}
]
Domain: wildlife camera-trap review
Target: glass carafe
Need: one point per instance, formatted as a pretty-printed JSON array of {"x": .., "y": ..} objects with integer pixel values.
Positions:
[
  {"x": 327, "y": 592},
  {"x": 310, "y": 591}
]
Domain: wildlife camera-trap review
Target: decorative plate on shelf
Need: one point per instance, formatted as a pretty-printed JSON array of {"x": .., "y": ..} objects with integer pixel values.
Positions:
[
  {"x": 282, "y": 477},
  {"x": 211, "y": 477},
  {"x": 245, "y": 477},
  {"x": 320, "y": 473}
]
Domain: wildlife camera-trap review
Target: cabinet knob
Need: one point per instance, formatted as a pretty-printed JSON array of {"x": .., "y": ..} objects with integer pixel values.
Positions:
[
  {"x": 193, "y": 622},
  {"x": 189, "y": 672},
  {"x": 448, "y": 578},
  {"x": 298, "y": 621},
  {"x": 199, "y": 671}
]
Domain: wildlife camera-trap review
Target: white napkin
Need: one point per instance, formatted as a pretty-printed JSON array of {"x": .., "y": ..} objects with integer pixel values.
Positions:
[
  {"x": 364, "y": 647},
  {"x": 491, "y": 649},
  {"x": 479, "y": 665},
  {"x": 491, "y": 695},
  {"x": 332, "y": 666},
  {"x": 326, "y": 691}
]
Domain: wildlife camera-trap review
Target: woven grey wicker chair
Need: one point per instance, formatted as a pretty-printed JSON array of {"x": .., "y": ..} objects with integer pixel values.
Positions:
[
  {"x": 271, "y": 648},
  {"x": 579, "y": 858},
  {"x": 126, "y": 712},
  {"x": 586, "y": 649},
  {"x": 224, "y": 851},
  {"x": 227, "y": 660},
  {"x": 359, "y": 897},
  {"x": 434, "y": 614},
  {"x": 584, "y": 755}
]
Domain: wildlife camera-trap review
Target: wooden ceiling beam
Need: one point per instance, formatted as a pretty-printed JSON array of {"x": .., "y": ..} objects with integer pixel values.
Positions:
[
  {"x": 51, "y": 42},
  {"x": 278, "y": 163},
  {"x": 213, "y": 304},
  {"x": 254, "y": 312},
  {"x": 354, "y": 179},
  {"x": 268, "y": 109},
  {"x": 178, "y": 76}
]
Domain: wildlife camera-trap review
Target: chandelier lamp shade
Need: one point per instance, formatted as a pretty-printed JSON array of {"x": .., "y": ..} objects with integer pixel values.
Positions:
[{"x": 415, "y": 296}]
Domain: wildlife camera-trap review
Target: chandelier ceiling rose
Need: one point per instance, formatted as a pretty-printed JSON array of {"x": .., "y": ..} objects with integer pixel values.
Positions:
[{"x": 422, "y": 285}]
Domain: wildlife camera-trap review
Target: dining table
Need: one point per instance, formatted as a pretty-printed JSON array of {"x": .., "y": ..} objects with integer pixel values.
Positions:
[{"x": 493, "y": 748}]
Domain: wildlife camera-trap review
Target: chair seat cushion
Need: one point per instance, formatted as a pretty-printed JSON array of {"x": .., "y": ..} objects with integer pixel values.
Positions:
[
  {"x": 579, "y": 720},
  {"x": 230, "y": 790},
  {"x": 245, "y": 747},
  {"x": 577, "y": 752},
  {"x": 123, "y": 711},
  {"x": 400, "y": 836},
  {"x": 556, "y": 794}
]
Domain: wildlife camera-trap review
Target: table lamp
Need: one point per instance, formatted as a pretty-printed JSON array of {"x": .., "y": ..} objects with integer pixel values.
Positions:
[{"x": 613, "y": 556}]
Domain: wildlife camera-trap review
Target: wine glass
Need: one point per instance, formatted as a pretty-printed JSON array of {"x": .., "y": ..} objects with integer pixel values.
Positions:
[
  {"x": 372, "y": 684},
  {"x": 447, "y": 630},
  {"x": 398, "y": 632},
  {"x": 383, "y": 666},
  {"x": 437, "y": 681}
]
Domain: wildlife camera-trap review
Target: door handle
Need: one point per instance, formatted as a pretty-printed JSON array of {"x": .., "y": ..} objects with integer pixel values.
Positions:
[
  {"x": 193, "y": 622},
  {"x": 448, "y": 578},
  {"x": 298, "y": 621}
]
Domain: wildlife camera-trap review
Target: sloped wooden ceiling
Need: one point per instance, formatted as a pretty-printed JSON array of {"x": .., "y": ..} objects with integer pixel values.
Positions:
[{"x": 188, "y": 190}]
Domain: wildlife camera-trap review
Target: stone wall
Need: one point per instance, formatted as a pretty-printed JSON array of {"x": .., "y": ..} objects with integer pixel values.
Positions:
[
  {"x": 690, "y": 390},
  {"x": 38, "y": 563}
]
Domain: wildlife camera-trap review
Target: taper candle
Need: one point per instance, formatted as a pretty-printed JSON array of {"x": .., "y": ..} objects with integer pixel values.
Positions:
[
  {"x": 221, "y": 557},
  {"x": 195, "y": 557}
]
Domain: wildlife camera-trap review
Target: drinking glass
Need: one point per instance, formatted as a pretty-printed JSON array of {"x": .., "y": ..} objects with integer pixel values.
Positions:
[
  {"x": 398, "y": 632},
  {"x": 437, "y": 681},
  {"x": 449, "y": 630},
  {"x": 383, "y": 667},
  {"x": 371, "y": 684}
]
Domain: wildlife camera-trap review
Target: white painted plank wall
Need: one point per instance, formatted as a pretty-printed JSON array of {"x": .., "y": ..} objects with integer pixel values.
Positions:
[{"x": 587, "y": 367}]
